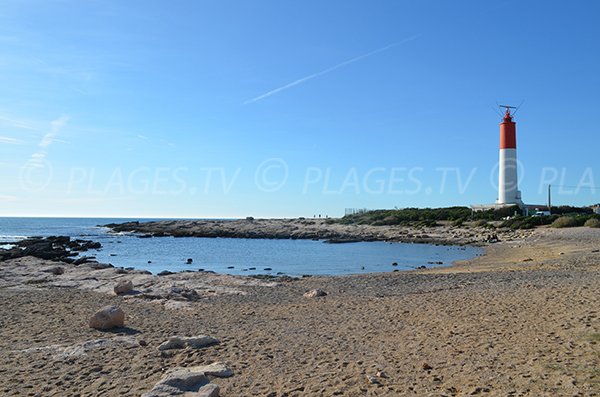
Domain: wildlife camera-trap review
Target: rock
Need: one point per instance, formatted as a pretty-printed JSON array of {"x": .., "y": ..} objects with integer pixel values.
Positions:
[
  {"x": 210, "y": 390},
  {"x": 218, "y": 369},
  {"x": 373, "y": 380},
  {"x": 83, "y": 259},
  {"x": 395, "y": 264},
  {"x": 56, "y": 270},
  {"x": 108, "y": 317},
  {"x": 123, "y": 287},
  {"x": 195, "y": 342},
  {"x": 99, "y": 266},
  {"x": 426, "y": 367},
  {"x": 183, "y": 293},
  {"x": 164, "y": 273},
  {"x": 314, "y": 293},
  {"x": 267, "y": 269},
  {"x": 382, "y": 374},
  {"x": 192, "y": 381},
  {"x": 179, "y": 382},
  {"x": 189, "y": 261}
]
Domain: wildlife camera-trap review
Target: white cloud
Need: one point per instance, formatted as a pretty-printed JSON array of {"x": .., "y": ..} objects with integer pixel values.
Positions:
[
  {"x": 18, "y": 123},
  {"x": 4, "y": 197},
  {"x": 56, "y": 125},
  {"x": 37, "y": 158},
  {"x": 142, "y": 136},
  {"x": 10, "y": 141}
]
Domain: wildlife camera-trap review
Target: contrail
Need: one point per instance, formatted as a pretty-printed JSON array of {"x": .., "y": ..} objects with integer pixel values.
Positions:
[{"x": 330, "y": 69}]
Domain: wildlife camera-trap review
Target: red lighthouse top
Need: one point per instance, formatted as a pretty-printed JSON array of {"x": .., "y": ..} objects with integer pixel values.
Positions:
[{"x": 508, "y": 132}]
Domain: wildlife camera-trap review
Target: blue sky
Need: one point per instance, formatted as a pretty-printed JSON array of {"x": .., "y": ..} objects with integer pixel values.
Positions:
[{"x": 281, "y": 108}]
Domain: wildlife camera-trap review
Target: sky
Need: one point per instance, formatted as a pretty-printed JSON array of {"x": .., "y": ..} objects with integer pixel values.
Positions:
[{"x": 228, "y": 109}]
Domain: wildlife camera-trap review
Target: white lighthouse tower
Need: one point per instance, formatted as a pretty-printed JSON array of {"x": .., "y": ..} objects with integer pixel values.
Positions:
[{"x": 508, "y": 190}]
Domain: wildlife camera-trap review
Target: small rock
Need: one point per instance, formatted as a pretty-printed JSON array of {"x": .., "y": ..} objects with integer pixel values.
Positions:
[
  {"x": 373, "y": 380},
  {"x": 189, "y": 261},
  {"x": 108, "y": 317},
  {"x": 314, "y": 293},
  {"x": 99, "y": 266},
  {"x": 426, "y": 367},
  {"x": 56, "y": 270},
  {"x": 191, "y": 381},
  {"x": 195, "y": 342},
  {"x": 395, "y": 264},
  {"x": 83, "y": 259},
  {"x": 164, "y": 273},
  {"x": 382, "y": 374},
  {"x": 123, "y": 287}
]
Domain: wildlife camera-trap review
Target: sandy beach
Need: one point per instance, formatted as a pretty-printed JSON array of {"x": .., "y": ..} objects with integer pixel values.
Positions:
[{"x": 520, "y": 321}]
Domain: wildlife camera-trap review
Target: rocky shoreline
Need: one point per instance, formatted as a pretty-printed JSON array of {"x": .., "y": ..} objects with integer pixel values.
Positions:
[
  {"x": 317, "y": 229},
  {"x": 59, "y": 248}
]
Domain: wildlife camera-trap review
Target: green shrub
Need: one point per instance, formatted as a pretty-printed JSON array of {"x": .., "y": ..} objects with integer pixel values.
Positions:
[
  {"x": 459, "y": 222},
  {"x": 592, "y": 222},
  {"x": 565, "y": 221},
  {"x": 521, "y": 222}
]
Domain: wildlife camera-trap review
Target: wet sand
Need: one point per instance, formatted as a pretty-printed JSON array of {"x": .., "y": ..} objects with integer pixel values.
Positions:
[{"x": 520, "y": 321}]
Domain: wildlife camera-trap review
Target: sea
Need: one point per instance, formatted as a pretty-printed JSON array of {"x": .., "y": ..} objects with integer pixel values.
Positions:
[{"x": 234, "y": 255}]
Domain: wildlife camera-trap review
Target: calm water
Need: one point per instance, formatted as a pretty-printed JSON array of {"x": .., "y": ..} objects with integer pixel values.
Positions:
[{"x": 235, "y": 256}]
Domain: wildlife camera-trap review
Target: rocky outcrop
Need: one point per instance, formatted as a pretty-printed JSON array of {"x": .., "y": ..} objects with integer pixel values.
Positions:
[
  {"x": 318, "y": 229},
  {"x": 56, "y": 248},
  {"x": 107, "y": 318}
]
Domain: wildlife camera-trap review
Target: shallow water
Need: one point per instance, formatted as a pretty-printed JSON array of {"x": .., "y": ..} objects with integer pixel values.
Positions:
[{"x": 236, "y": 256}]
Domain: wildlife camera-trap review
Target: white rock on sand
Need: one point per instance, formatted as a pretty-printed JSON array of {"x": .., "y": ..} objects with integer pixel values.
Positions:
[
  {"x": 195, "y": 342},
  {"x": 192, "y": 381},
  {"x": 108, "y": 317},
  {"x": 314, "y": 293},
  {"x": 123, "y": 287}
]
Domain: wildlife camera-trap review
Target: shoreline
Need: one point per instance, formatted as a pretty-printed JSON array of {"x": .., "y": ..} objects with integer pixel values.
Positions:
[
  {"x": 317, "y": 229},
  {"x": 520, "y": 320}
]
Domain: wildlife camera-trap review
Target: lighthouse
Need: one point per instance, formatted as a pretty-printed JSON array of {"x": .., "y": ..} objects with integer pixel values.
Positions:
[{"x": 508, "y": 190}]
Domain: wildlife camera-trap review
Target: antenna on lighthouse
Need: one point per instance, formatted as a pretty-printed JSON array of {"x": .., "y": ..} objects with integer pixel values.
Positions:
[
  {"x": 508, "y": 115},
  {"x": 507, "y": 107}
]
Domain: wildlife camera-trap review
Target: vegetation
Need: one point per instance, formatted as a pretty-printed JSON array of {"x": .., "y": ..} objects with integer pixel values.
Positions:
[
  {"x": 528, "y": 222},
  {"x": 480, "y": 223},
  {"x": 592, "y": 222},
  {"x": 459, "y": 216},
  {"x": 564, "y": 221},
  {"x": 426, "y": 216}
]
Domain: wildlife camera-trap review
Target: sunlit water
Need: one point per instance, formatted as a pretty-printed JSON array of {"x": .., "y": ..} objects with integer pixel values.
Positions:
[{"x": 236, "y": 256}]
